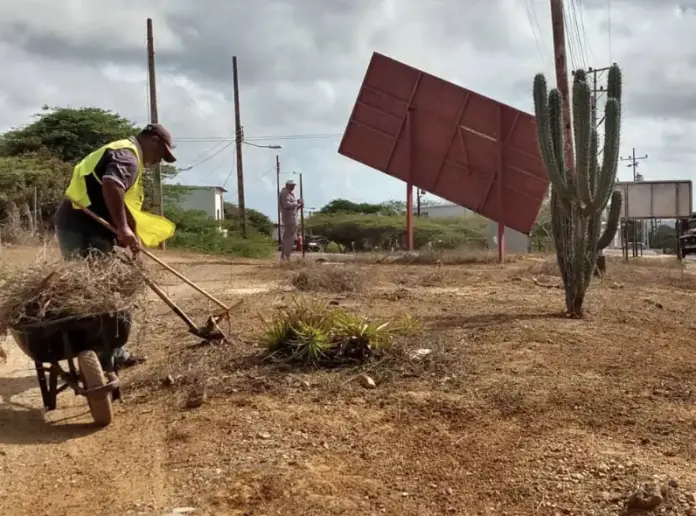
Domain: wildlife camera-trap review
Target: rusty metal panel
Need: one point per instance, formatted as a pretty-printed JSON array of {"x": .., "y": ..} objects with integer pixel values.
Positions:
[{"x": 448, "y": 141}]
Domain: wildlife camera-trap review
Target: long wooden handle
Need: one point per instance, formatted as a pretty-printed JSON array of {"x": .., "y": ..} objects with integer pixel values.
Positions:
[{"x": 155, "y": 259}]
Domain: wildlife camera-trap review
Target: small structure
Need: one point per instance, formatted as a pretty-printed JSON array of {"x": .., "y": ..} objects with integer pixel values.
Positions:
[
  {"x": 443, "y": 210},
  {"x": 514, "y": 241},
  {"x": 208, "y": 199}
]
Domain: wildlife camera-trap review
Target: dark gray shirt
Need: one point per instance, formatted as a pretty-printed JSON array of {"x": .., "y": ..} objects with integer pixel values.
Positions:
[{"x": 121, "y": 167}]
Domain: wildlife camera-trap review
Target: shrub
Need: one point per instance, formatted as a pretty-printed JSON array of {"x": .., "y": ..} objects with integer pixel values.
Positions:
[
  {"x": 198, "y": 232},
  {"x": 310, "y": 332},
  {"x": 362, "y": 232},
  {"x": 333, "y": 278}
]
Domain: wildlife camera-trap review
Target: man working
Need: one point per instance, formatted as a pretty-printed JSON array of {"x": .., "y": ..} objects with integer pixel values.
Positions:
[
  {"x": 289, "y": 206},
  {"x": 109, "y": 182}
]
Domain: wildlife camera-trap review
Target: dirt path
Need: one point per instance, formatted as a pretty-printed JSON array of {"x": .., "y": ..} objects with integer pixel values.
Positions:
[{"x": 60, "y": 464}]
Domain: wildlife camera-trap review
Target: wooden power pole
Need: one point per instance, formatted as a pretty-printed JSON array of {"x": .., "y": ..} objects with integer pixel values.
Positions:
[
  {"x": 238, "y": 137},
  {"x": 559, "y": 51},
  {"x": 154, "y": 117}
]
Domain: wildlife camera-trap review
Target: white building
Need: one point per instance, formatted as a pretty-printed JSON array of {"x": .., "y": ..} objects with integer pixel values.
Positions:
[
  {"x": 208, "y": 199},
  {"x": 443, "y": 210},
  {"x": 515, "y": 242}
]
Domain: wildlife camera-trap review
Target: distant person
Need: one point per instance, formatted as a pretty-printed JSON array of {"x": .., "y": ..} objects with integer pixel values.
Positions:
[
  {"x": 289, "y": 206},
  {"x": 109, "y": 182}
]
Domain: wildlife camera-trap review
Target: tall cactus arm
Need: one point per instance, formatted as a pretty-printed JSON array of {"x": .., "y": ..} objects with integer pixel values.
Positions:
[
  {"x": 559, "y": 177},
  {"x": 547, "y": 133},
  {"x": 594, "y": 163},
  {"x": 614, "y": 82},
  {"x": 582, "y": 128},
  {"x": 590, "y": 262},
  {"x": 610, "y": 158},
  {"x": 612, "y": 224}
]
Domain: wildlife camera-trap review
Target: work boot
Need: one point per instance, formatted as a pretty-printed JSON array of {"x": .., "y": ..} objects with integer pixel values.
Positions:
[
  {"x": 124, "y": 359},
  {"x": 130, "y": 361}
]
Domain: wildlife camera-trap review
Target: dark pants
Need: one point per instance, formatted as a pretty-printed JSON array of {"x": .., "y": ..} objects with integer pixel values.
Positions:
[{"x": 74, "y": 245}]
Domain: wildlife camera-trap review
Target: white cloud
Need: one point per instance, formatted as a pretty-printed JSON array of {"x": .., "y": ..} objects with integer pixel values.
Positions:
[{"x": 301, "y": 64}]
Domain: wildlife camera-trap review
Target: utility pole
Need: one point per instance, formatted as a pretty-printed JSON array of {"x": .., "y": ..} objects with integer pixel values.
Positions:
[
  {"x": 278, "y": 192},
  {"x": 634, "y": 165},
  {"x": 559, "y": 51},
  {"x": 302, "y": 240},
  {"x": 634, "y": 162},
  {"x": 154, "y": 117},
  {"x": 238, "y": 137},
  {"x": 419, "y": 192}
]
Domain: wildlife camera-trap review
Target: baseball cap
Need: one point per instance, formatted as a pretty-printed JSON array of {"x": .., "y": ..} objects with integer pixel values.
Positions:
[
  {"x": 290, "y": 182},
  {"x": 165, "y": 136}
]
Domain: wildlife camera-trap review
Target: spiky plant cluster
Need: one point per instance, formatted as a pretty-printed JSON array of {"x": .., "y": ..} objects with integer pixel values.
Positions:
[
  {"x": 580, "y": 191},
  {"x": 312, "y": 332}
]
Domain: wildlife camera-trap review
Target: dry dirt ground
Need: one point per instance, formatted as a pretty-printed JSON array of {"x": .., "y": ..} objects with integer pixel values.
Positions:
[{"x": 515, "y": 411}]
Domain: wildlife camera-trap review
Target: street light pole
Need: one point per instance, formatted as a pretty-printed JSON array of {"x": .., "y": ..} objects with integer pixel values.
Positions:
[
  {"x": 274, "y": 147},
  {"x": 278, "y": 192}
]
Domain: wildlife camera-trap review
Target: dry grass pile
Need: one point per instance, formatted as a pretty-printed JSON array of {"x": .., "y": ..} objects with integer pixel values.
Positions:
[
  {"x": 49, "y": 290},
  {"x": 311, "y": 332},
  {"x": 330, "y": 278}
]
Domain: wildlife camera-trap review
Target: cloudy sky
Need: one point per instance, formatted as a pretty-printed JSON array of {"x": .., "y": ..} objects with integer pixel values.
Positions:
[{"x": 301, "y": 63}]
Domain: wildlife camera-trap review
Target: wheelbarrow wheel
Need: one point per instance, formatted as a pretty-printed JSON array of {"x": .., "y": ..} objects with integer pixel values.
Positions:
[{"x": 92, "y": 376}]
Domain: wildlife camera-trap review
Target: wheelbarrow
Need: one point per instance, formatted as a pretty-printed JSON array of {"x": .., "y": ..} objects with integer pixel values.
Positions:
[{"x": 79, "y": 341}]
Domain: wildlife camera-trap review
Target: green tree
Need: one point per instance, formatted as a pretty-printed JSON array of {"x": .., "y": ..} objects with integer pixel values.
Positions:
[
  {"x": 257, "y": 220},
  {"x": 663, "y": 237},
  {"x": 24, "y": 178},
  {"x": 69, "y": 134},
  {"x": 361, "y": 232}
]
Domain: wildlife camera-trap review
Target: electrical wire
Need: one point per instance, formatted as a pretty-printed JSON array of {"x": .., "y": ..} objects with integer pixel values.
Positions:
[
  {"x": 204, "y": 156},
  {"x": 534, "y": 24},
  {"x": 207, "y": 158},
  {"x": 575, "y": 30},
  {"x": 232, "y": 170},
  {"x": 581, "y": 9},
  {"x": 197, "y": 139}
]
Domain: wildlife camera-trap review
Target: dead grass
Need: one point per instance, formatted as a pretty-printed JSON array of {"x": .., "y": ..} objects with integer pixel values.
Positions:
[
  {"x": 50, "y": 289},
  {"x": 445, "y": 257},
  {"x": 331, "y": 278}
]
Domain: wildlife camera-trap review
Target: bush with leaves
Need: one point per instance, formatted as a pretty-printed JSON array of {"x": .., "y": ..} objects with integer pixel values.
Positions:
[
  {"x": 23, "y": 179},
  {"x": 63, "y": 136},
  {"x": 255, "y": 219},
  {"x": 196, "y": 231}
]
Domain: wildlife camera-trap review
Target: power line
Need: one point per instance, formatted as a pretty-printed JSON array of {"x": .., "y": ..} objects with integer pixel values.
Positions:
[
  {"x": 186, "y": 169},
  {"x": 582, "y": 23},
  {"x": 204, "y": 156},
  {"x": 208, "y": 139},
  {"x": 233, "y": 169},
  {"x": 536, "y": 29}
]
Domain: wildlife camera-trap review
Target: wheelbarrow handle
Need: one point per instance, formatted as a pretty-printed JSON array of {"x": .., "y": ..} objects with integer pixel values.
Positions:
[{"x": 157, "y": 260}]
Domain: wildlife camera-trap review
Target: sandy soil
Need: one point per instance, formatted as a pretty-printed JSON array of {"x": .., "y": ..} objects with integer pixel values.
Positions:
[{"x": 515, "y": 410}]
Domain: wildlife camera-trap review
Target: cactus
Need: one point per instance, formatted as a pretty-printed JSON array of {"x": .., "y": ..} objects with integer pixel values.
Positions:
[{"x": 580, "y": 192}]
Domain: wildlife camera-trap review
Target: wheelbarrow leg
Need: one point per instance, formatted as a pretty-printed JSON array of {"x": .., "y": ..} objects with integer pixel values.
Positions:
[
  {"x": 53, "y": 387},
  {"x": 43, "y": 385}
]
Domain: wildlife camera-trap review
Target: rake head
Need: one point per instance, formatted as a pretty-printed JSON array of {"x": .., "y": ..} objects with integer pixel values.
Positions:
[{"x": 211, "y": 331}]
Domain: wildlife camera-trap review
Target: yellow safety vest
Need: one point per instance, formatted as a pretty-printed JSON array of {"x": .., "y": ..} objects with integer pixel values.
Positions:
[{"x": 150, "y": 228}]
